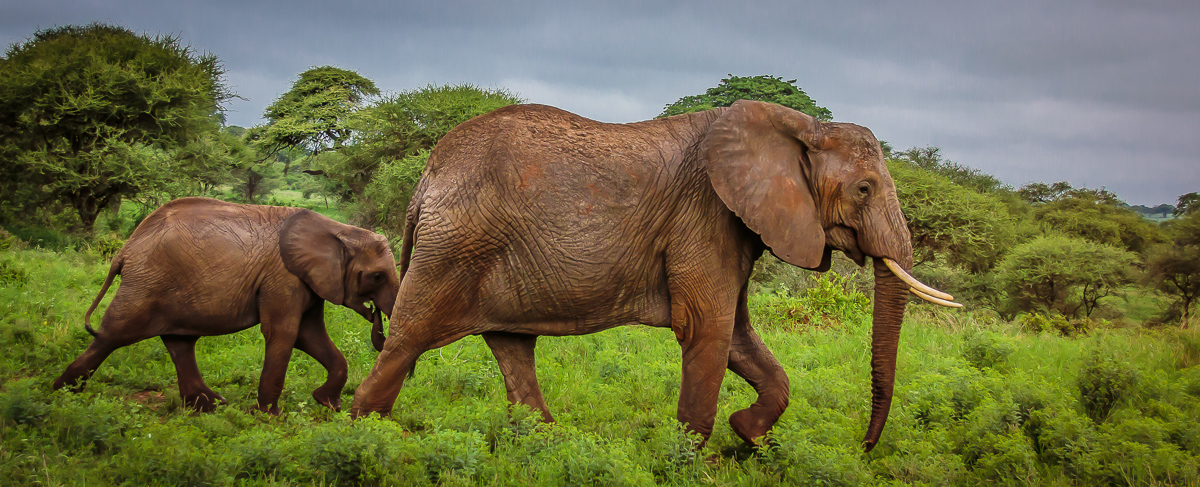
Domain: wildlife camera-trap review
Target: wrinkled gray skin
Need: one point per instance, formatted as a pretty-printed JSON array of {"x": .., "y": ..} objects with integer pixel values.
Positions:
[
  {"x": 533, "y": 221},
  {"x": 202, "y": 267}
]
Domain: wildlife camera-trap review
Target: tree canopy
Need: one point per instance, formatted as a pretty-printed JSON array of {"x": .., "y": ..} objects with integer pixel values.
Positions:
[
  {"x": 1063, "y": 274},
  {"x": 393, "y": 139},
  {"x": 762, "y": 88},
  {"x": 314, "y": 113},
  {"x": 965, "y": 226},
  {"x": 89, "y": 114}
]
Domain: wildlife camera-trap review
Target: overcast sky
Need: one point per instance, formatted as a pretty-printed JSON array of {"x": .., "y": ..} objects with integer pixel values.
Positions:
[{"x": 1100, "y": 93}]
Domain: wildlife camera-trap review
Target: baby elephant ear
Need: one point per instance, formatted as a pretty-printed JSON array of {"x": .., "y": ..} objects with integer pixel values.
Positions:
[
  {"x": 311, "y": 249},
  {"x": 756, "y": 157}
]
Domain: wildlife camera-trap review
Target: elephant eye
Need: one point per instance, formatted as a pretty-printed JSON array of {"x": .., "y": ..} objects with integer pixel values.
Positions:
[
  {"x": 864, "y": 189},
  {"x": 377, "y": 276}
]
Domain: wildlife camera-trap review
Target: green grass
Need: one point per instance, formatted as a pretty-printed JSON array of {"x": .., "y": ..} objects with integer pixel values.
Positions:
[{"x": 1016, "y": 416}]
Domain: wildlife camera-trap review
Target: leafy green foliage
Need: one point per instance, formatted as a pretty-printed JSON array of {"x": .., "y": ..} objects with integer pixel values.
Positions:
[
  {"x": 968, "y": 228},
  {"x": 1103, "y": 382},
  {"x": 94, "y": 113},
  {"x": 762, "y": 88},
  {"x": 1174, "y": 268},
  {"x": 391, "y": 136},
  {"x": 930, "y": 159},
  {"x": 1186, "y": 204},
  {"x": 1062, "y": 274},
  {"x": 313, "y": 114},
  {"x": 1093, "y": 217}
]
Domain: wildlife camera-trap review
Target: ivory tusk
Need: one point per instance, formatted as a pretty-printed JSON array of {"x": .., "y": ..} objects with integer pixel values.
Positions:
[
  {"x": 913, "y": 282},
  {"x": 943, "y": 302}
]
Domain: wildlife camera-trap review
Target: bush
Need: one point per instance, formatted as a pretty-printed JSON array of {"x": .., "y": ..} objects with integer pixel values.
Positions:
[
  {"x": 563, "y": 455},
  {"x": 1056, "y": 323},
  {"x": 1061, "y": 274},
  {"x": 1103, "y": 383},
  {"x": 452, "y": 452},
  {"x": 359, "y": 452},
  {"x": 986, "y": 350},
  {"x": 21, "y": 402}
]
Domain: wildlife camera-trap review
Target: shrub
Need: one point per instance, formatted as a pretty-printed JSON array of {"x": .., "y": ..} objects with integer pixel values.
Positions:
[
  {"x": 673, "y": 449},
  {"x": 12, "y": 274},
  {"x": 563, "y": 455},
  {"x": 173, "y": 453},
  {"x": 1057, "y": 323},
  {"x": 359, "y": 452},
  {"x": 986, "y": 350},
  {"x": 1103, "y": 383},
  {"x": 22, "y": 403},
  {"x": 454, "y": 452}
]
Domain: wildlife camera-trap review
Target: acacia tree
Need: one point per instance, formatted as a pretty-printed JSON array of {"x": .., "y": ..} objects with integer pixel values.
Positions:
[
  {"x": 89, "y": 114},
  {"x": 1064, "y": 274},
  {"x": 1186, "y": 204},
  {"x": 762, "y": 88},
  {"x": 394, "y": 138},
  {"x": 313, "y": 114},
  {"x": 965, "y": 226},
  {"x": 1174, "y": 267}
]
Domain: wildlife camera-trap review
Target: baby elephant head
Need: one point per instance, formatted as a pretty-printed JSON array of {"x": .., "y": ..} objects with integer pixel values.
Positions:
[{"x": 343, "y": 264}]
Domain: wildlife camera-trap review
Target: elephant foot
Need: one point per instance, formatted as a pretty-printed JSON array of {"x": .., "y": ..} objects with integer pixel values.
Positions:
[
  {"x": 272, "y": 409},
  {"x": 331, "y": 400},
  {"x": 72, "y": 384},
  {"x": 204, "y": 402},
  {"x": 751, "y": 424}
]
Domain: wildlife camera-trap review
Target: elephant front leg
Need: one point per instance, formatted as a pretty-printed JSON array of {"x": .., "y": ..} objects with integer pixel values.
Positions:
[
  {"x": 192, "y": 389},
  {"x": 515, "y": 356},
  {"x": 705, "y": 342},
  {"x": 281, "y": 338},
  {"x": 313, "y": 339},
  {"x": 750, "y": 359}
]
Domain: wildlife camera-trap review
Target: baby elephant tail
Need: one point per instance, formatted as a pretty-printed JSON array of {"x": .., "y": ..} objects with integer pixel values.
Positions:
[{"x": 113, "y": 271}]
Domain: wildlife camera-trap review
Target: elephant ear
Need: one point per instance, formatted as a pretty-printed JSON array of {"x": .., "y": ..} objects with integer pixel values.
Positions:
[
  {"x": 756, "y": 157},
  {"x": 312, "y": 250}
]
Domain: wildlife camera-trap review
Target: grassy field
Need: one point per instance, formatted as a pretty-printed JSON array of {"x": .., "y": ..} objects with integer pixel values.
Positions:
[{"x": 978, "y": 400}]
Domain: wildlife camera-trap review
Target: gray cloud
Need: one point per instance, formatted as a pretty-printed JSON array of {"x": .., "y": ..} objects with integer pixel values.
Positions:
[{"x": 1100, "y": 93}]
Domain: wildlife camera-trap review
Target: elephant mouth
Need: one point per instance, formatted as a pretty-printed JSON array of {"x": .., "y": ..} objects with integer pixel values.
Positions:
[{"x": 845, "y": 239}]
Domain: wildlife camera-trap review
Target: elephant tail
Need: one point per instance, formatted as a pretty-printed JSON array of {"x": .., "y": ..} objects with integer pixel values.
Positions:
[{"x": 113, "y": 271}]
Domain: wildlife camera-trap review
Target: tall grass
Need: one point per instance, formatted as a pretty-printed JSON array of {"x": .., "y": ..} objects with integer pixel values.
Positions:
[{"x": 977, "y": 400}]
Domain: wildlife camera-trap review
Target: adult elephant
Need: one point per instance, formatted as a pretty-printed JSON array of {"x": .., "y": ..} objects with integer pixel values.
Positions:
[
  {"x": 202, "y": 267},
  {"x": 533, "y": 221}
]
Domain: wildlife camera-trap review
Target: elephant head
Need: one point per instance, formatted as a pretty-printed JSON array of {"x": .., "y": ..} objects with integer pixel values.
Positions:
[
  {"x": 807, "y": 188},
  {"x": 342, "y": 264}
]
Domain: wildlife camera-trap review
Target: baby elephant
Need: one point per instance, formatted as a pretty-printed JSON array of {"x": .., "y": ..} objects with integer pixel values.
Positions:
[{"x": 202, "y": 267}]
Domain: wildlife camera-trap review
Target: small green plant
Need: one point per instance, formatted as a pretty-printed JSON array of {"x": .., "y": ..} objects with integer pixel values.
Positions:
[
  {"x": 11, "y": 274},
  {"x": 452, "y": 452},
  {"x": 1103, "y": 383}
]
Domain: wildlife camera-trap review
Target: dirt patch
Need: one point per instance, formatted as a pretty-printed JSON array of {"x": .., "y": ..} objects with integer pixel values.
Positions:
[{"x": 153, "y": 399}]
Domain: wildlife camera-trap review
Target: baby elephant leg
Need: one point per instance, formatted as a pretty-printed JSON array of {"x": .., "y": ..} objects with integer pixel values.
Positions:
[{"x": 314, "y": 340}]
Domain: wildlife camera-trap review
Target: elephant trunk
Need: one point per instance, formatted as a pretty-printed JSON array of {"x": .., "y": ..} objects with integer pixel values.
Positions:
[
  {"x": 891, "y": 295},
  {"x": 384, "y": 305}
]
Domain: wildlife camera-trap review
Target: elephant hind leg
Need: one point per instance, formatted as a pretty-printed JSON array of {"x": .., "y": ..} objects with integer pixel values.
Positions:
[
  {"x": 313, "y": 339},
  {"x": 192, "y": 389},
  {"x": 115, "y": 332},
  {"x": 750, "y": 359},
  {"x": 514, "y": 354},
  {"x": 80, "y": 370}
]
